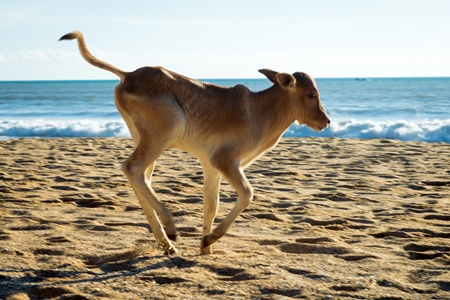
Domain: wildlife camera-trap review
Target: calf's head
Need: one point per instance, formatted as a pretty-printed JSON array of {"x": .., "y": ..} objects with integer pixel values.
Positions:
[{"x": 303, "y": 93}]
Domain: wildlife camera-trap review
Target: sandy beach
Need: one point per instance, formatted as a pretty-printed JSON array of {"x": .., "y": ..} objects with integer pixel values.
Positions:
[{"x": 331, "y": 219}]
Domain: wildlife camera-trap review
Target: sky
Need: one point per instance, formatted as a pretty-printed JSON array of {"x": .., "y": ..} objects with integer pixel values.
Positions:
[{"x": 227, "y": 39}]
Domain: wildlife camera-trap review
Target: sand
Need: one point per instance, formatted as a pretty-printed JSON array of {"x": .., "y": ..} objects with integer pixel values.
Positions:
[{"x": 331, "y": 219}]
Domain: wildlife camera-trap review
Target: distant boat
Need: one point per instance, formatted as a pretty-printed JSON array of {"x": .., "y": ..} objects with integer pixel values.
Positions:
[{"x": 363, "y": 79}]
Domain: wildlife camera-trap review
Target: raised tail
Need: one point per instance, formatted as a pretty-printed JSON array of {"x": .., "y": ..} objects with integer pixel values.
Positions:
[{"x": 89, "y": 57}]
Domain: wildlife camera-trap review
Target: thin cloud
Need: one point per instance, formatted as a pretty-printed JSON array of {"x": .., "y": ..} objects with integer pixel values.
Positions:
[
  {"x": 205, "y": 64},
  {"x": 38, "y": 56}
]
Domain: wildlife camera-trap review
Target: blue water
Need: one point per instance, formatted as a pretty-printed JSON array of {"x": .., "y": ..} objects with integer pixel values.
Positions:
[{"x": 410, "y": 109}]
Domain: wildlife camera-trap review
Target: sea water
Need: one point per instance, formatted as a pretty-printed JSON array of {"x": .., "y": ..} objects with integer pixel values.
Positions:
[{"x": 409, "y": 109}]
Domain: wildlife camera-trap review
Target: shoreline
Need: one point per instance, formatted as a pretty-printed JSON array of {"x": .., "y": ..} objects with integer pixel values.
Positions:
[
  {"x": 332, "y": 217},
  {"x": 7, "y": 138}
]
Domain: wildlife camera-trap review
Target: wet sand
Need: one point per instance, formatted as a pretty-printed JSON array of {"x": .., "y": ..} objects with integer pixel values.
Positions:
[{"x": 331, "y": 219}]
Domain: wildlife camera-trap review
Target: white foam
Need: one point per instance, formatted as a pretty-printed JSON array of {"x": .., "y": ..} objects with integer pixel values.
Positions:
[
  {"x": 427, "y": 131},
  {"x": 61, "y": 128}
]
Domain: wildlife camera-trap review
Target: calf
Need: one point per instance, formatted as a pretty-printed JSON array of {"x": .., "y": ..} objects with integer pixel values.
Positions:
[{"x": 226, "y": 128}]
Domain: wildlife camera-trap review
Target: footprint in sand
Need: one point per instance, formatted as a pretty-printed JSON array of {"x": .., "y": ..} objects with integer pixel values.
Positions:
[
  {"x": 58, "y": 239},
  {"x": 314, "y": 222},
  {"x": 44, "y": 292},
  {"x": 230, "y": 274},
  {"x": 48, "y": 251},
  {"x": 88, "y": 201},
  {"x": 424, "y": 252},
  {"x": 162, "y": 280},
  {"x": 270, "y": 216},
  {"x": 440, "y": 217},
  {"x": 4, "y": 236},
  {"x": 307, "y": 274},
  {"x": 306, "y": 248},
  {"x": 393, "y": 233},
  {"x": 336, "y": 197},
  {"x": 294, "y": 293}
]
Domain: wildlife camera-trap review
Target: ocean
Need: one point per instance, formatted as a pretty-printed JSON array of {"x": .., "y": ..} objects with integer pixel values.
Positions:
[{"x": 407, "y": 109}]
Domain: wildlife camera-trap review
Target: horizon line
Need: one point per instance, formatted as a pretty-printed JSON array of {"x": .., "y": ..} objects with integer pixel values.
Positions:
[{"x": 241, "y": 78}]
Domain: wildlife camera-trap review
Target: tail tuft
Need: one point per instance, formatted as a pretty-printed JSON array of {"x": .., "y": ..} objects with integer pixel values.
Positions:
[{"x": 70, "y": 36}]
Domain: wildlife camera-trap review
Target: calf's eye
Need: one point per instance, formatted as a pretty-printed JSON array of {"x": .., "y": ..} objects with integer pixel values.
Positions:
[{"x": 311, "y": 96}]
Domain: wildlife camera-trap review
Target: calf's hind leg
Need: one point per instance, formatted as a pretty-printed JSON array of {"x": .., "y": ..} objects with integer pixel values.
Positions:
[{"x": 138, "y": 168}]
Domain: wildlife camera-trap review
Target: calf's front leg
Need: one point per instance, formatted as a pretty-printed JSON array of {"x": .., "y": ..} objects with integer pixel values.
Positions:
[
  {"x": 234, "y": 174},
  {"x": 211, "y": 186}
]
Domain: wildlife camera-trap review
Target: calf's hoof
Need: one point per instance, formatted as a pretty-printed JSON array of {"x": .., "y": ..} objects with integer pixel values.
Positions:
[
  {"x": 171, "y": 251},
  {"x": 206, "y": 250},
  {"x": 205, "y": 246}
]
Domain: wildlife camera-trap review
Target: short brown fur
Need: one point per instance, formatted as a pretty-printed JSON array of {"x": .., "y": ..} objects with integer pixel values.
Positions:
[{"x": 226, "y": 128}]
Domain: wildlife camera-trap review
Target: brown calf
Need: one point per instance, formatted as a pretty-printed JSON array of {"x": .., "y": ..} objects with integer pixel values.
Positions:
[{"x": 226, "y": 128}]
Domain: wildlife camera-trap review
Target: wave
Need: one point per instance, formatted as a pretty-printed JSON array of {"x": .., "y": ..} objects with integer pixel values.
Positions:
[
  {"x": 63, "y": 128},
  {"x": 426, "y": 131}
]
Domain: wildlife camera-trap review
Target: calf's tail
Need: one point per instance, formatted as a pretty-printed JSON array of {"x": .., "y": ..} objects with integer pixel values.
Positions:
[{"x": 89, "y": 57}]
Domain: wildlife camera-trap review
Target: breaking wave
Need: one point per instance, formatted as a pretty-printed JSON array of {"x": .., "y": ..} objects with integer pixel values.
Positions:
[{"x": 426, "y": 131}]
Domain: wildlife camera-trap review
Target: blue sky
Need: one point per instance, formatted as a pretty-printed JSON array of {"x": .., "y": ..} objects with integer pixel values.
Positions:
[{"x": 227, "y": 39}]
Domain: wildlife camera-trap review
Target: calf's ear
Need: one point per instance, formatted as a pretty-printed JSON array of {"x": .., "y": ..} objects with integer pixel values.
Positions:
[
  {"x": 286, "y": 80},
  {"x": 271, "y": 75}
]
